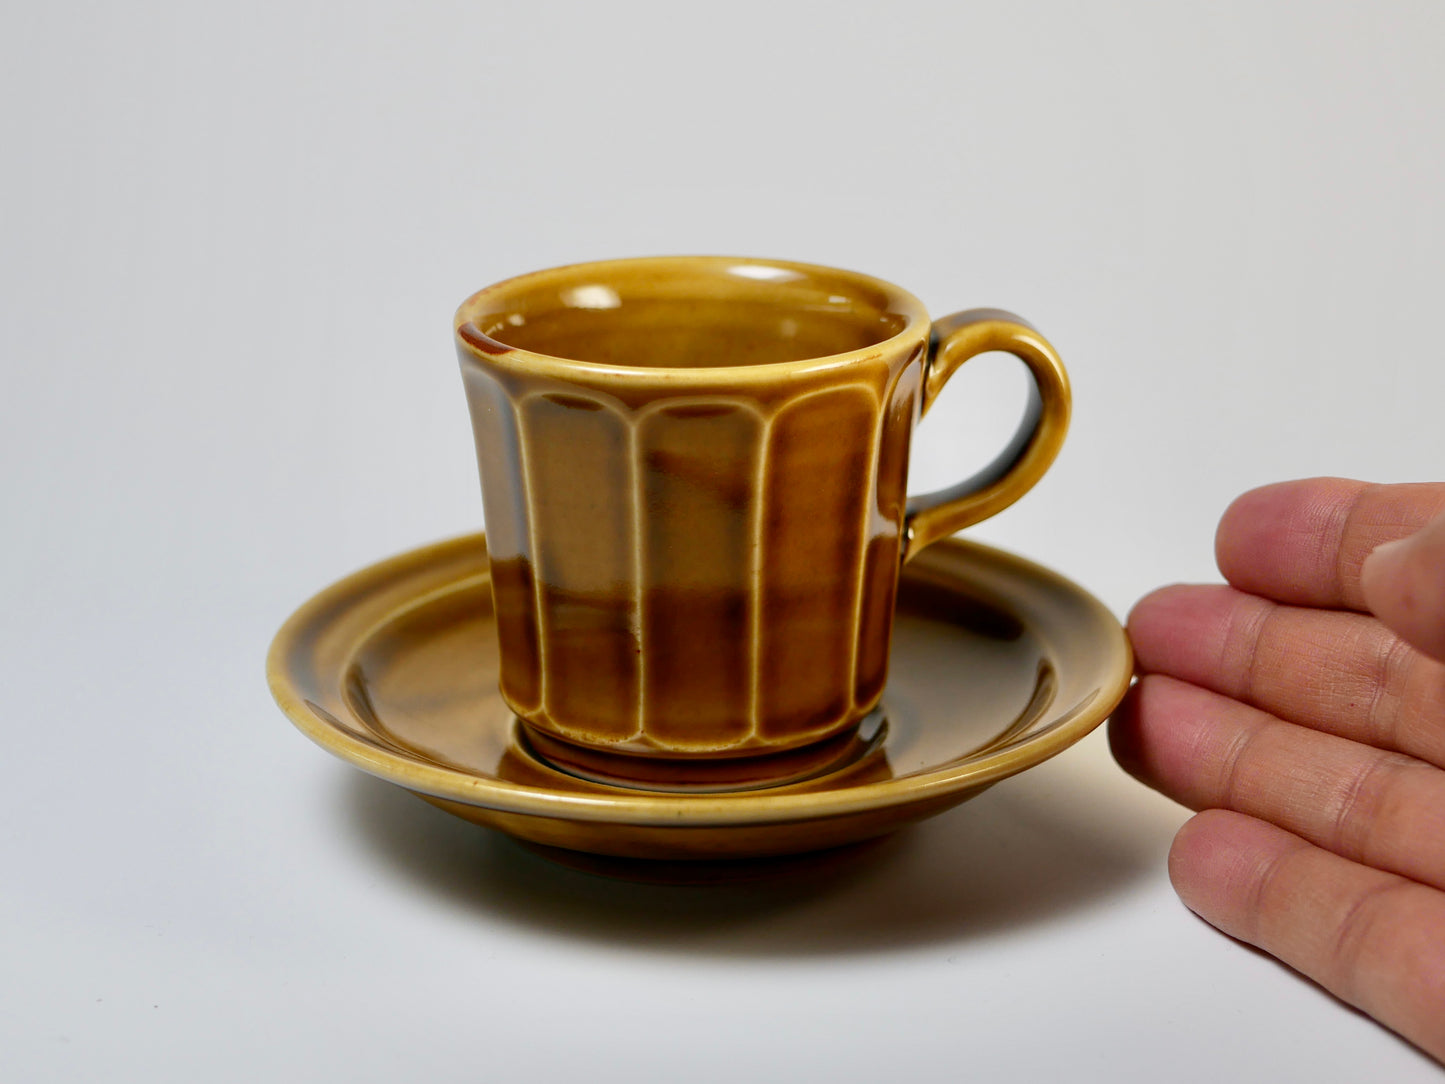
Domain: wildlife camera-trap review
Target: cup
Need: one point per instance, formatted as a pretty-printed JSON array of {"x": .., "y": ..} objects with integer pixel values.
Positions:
[{"x": 693, "y": 474}]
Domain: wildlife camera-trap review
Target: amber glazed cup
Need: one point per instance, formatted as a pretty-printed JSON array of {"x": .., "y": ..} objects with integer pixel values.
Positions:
[{"x": 693, "y": 473}]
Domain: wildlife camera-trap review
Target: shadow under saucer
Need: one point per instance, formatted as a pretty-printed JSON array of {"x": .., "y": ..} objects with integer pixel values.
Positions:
[{"x": 1010, "y": 860}]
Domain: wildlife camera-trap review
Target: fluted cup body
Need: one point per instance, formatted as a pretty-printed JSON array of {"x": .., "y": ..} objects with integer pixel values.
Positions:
[{"x": 693, "y": 474}]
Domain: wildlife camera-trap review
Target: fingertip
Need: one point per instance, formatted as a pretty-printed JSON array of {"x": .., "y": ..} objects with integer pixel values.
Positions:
[
  {"x": 1254, "y": 515},
  {"x": 1159, "y": 602},
  {"x": 1192, "y": 858},
  {"x": 1219, "y": 860},
  {"x": 1168, "y": 627},
  {"x": 1159, "y": 735},
  {"x": 1191, "y": 849},
  {"x": 1279, "y": 540}
]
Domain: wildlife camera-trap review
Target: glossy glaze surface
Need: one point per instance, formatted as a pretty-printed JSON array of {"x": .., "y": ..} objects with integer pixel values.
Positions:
[
  {"x": 694, "y": 478},
  {"x": 998, "y": 664}
]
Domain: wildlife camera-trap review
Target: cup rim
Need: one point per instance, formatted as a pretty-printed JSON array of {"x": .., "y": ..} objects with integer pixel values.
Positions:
[{"x": 479, "y": 347}]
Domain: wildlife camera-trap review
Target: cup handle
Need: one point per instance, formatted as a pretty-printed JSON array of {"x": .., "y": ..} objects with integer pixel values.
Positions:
[{"x": 1013, "y": 472}]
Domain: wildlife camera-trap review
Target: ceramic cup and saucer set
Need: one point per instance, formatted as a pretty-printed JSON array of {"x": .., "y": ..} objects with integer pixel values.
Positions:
[{"x": 706, "y": 621}]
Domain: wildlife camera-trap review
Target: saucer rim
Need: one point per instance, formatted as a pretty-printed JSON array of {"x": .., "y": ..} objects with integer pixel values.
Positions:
[{"x": 416, "y": 773}]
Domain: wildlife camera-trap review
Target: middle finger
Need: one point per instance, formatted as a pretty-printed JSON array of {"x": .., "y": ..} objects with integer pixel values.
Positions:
[{"x": 1343, "y": 673}]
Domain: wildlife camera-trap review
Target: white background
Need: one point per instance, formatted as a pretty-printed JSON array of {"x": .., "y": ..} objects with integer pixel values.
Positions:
[{"x": 233, "y": 240}]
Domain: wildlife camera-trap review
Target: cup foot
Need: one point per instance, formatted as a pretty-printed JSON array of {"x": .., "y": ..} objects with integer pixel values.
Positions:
[{"x": 710, "y": 775}]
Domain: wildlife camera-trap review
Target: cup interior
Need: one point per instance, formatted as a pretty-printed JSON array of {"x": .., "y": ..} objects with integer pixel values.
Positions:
[{"x": 689, "y": 312}]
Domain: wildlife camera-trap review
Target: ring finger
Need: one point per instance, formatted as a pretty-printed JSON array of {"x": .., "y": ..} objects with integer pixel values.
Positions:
[{"x": 1208, "y": 751}]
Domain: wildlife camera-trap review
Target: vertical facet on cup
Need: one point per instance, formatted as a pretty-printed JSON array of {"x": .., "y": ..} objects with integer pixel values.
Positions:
[
  {"x": 882, "y": 562},
  {"x": 698, "y": 464},
  {"x": 509, "y": 534},
  {"x": 578, "y": 468},
  {"x": 815, "y": 503}
]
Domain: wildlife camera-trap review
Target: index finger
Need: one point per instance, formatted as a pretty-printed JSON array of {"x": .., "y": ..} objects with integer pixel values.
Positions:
[{"x": 1304, "y": 542}]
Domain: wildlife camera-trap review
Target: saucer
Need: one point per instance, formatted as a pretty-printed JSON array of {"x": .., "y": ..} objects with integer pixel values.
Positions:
[{"x": 997, "y": 665}]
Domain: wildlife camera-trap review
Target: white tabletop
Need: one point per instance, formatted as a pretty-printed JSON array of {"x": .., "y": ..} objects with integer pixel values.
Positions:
[{"x": 234, "y": 241}]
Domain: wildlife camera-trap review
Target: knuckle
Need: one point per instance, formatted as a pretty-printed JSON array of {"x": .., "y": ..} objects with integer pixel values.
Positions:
[
  {"x": 1413, "y": 706},
  {"x": 1364, "y": 796},
  {"x": 1390, "y": 676},
  {"x": 1247, "y": 631},
  {"x": 1349, "y": 524},
  {"x": 1357, "y": 932},
  {"x": 1234, "y": 763}
]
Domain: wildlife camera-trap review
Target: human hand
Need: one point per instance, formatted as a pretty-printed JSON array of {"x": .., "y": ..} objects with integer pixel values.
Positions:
[{"x": 1302, "y": 709}]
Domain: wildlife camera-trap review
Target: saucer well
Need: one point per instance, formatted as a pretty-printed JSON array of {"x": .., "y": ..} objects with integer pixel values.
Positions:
[{"x": 997, "y": 665}]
